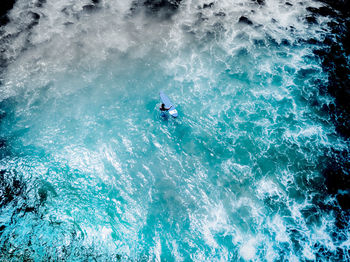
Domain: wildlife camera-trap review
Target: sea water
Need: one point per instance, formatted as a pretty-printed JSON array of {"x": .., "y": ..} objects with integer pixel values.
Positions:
[{"x": 94, "y": 172}]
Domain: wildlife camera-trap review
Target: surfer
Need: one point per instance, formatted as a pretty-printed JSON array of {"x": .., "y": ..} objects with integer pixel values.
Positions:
[
  {"x": 167, "y": 105},
  {"x": 163, "y": 108}
]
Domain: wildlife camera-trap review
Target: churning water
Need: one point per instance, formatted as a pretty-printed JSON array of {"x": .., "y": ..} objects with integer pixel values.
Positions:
[{"x": 94, "y": 173}]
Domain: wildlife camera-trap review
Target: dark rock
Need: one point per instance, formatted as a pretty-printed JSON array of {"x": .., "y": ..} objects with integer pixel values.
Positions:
[
  {"x": 208, "y": 5},
  {"x": 259, "y": 2},
  {"x": 287, "y": 3},
  {"x": 5, "y": 7},
  {"x": 245, "y": 20}
]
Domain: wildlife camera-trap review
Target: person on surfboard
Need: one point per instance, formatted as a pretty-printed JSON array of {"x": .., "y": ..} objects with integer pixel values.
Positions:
[{"x": 163, "y": 108}]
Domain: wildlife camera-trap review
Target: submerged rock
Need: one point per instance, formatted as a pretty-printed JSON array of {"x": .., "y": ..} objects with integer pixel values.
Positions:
[{"x": 245, "y": 20}]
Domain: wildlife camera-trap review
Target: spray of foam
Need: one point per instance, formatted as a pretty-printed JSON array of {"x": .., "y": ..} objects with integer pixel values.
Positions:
[{"x": 65, "y": 37}]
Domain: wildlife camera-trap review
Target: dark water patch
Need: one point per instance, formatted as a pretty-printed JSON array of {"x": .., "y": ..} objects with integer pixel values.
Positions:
[
  {"x": 322, "y": 11},
  {"x": 11, "y": 187},
  {"x": 297, "y": 239},
  {"x": 94, "y": 6},
  {"x": 335, "y": 62},
  {"x": 312, "y": 215},
  {"x": 312, "y": 41},
  {"x": 157, "y": 5},
  {"x": 343, "y": 6},
  {"x": 40, "y": 3},
  {"x": 325, "y": 254},
  {"x": 7, "y": 107},
  {"x": 5, "y": 7},
  {"x": 311, "y": 19},
  {"x": 89, "y": 8},
  {"x": 45, "y": 190},
  {"x": 338, "y": 178},
  {"x": 2, "y": 143},
  {"x": 4, "y": 148},
  {"x": 337, "y": 181},
  {"x": 334, "y": 52},
  {"x": 6, "y": 113},
  {"x": 334, "y": 55}
]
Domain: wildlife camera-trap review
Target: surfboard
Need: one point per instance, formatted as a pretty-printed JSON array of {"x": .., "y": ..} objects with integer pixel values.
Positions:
[{"x": 168, "y": 104}]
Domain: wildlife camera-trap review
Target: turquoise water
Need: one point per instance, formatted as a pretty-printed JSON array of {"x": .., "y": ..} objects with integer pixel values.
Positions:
[{"x": 236, "y": 177}]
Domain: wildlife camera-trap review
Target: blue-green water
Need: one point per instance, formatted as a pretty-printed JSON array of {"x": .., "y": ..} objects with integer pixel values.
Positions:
[{"x": 106, "y": 178}]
